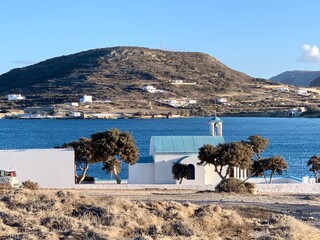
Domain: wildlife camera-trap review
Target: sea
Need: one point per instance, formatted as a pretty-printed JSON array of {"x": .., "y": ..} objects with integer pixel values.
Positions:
[{"x": 295, "y": 139}]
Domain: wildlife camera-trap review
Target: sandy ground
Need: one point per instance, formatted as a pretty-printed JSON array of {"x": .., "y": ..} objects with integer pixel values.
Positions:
[{"x": 305, "y": 207}]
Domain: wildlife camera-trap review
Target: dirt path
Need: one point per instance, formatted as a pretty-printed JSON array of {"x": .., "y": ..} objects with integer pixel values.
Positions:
[{"x": 304, "y": 207}]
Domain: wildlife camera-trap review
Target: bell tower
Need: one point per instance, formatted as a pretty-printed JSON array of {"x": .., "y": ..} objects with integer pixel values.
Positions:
[{"x": 215, "y": 126}]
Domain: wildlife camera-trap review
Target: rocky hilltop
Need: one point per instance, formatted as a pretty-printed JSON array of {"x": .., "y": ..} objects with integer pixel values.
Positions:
[{"x": 116, "y": 77}]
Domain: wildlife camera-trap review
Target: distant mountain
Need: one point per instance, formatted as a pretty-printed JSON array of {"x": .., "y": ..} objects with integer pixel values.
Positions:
[
  {"x": 315, "y": 82},
  {"x": 296, "y": 78}
]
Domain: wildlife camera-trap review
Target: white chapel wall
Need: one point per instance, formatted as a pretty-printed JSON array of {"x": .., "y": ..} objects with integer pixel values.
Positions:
[
  {"x": 141, "y": 173},
  {"x": 199, "y": 171}
]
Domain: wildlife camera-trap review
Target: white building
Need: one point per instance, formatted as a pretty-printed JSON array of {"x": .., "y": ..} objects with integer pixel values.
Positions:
[
  {"x": 176, "y": 81},
  {"x": 283, "y": 89},
  {"x": 13, "y": 97},
  {"x": 150, "y": 89},
  {"x": 72, "y": 104},
  {"x": 75, "y": 114},
  {"x": 86, "y": 99},
  {"x": 221, "y": 100},
  {"x": 50, "y": 168},
  {"x": 181, "y": 82},
  {"x": 166, "y": 150},
  {"x": 302, "y": 92}
]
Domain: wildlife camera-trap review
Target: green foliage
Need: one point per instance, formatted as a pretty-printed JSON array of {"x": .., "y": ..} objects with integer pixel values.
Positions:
[
  {"x": 275, "y": 164},
  {"x": 109, "y": 147},
  {"x": 235, "y": 154},
  {"x": 179, "y": 171},
  {"x": 113, "y": 144},
  {"x": 259, "y": 144},
  {"x": 236, "y": 186},
  {"x": 314, "y": 162},
  {"x": 82, "y": 150},
  {"x": 83, "y": 155},
  {"x": 30, "y": 185}
]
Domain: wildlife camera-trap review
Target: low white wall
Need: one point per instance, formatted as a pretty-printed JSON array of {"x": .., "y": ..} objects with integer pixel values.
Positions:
[
  {"x": 307, "y": 188},
  {"x": 202, "y": 187},
  {"x": 276, "y": 180},
  {"x": 50, "y": 168}
]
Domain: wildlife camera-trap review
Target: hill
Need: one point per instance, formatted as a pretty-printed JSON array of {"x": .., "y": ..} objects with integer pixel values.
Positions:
[
  {"x": 296, "y": 78},
  {"x": 115, "y": 78},
  {"x": 315, "y": 82}
]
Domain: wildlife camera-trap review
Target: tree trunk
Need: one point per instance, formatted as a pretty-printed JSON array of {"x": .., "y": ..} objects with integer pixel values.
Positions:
[
  {"x": 180, "y": 181},
  {"x": 83, "y": 174},
  {"x": 219, "y": 173},
  {"x": 264, "y": 176},
  {"x": 116, "y": 176},
  {"x": 270, "y": 181},
  {"x": 316, "y": 176}
]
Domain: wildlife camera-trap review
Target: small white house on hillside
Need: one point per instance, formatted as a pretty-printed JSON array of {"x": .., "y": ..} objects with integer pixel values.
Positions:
[
  {"x": 13, "y": 97},
  {"x": 166, "y": 150},
  {"x": 86, "y": 99}
]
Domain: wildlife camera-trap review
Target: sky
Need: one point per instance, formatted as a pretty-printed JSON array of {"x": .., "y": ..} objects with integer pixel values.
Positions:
[{"x": 261, "y": 38}]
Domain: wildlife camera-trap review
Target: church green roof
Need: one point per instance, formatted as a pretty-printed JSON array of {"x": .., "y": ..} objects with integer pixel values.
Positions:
[{"x": 183, "y": 144}]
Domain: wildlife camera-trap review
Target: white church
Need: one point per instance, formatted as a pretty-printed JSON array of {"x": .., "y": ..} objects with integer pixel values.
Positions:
[{"x": 166, "y": 150}]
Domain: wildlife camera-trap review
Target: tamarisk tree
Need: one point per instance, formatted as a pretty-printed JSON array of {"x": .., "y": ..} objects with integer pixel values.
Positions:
[
  {"x": 314, "y": 162},
  {"x": 83, "y": 156},
  {"x": 225, "y": 156},
  {"x": 113, "y": 147},
  {"x": 110, "y": 147}
]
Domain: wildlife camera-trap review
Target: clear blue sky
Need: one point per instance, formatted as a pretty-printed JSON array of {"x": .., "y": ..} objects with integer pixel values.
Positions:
[{"x": 261, "y": 38}]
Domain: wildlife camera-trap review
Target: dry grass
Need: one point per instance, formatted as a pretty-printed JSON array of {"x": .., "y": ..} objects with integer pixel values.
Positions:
[{"x": 26, "y": 214}]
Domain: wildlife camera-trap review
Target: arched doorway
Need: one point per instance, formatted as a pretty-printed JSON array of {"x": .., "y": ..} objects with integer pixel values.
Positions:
[{"x": 191, "y": 172}]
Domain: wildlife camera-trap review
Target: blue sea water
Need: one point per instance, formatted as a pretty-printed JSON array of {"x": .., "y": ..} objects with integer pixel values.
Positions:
[{"x": 295, "y": 139}]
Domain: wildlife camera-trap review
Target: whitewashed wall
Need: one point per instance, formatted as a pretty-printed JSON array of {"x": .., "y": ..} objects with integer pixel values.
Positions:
[
  {"x": 199, "y": 171},
  {"x": 141, "y": 173},
  {"x": 50, "y": 168},
  {"x": 163, "y": 165}
]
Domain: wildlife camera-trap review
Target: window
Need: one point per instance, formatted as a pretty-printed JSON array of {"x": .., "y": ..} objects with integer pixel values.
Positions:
[{"x": 191, "y": 174}]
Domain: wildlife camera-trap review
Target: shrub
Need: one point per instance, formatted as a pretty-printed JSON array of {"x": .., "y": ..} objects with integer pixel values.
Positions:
[
  {"x": 235, "y": 185},
  {"x": 30, "y": 185},
  {"x": 5, "y": 187}
]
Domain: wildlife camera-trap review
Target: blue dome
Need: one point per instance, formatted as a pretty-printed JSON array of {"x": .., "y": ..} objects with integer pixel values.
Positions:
[{"x": 215, "y": 119}]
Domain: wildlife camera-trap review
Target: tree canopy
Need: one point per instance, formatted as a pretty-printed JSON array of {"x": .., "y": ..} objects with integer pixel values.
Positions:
[
  {"x": 180, "y": 171},
  {"x": 83, "y": 156},
  {"x": 110, "y": 147},
  {"x": 314, "y": 162},
  {"x": 259, "y": 144},
  {"x": 275, "y": 164},
  {"x": 234, "y": 154}
]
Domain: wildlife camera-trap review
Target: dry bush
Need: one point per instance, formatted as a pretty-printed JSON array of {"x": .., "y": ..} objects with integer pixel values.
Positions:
[
  {"x": 236, "y": 186},
  {"x": 26, "y": 214},
  {"x": 5, "y": 187},
  {"x": 30, "y": 185}
]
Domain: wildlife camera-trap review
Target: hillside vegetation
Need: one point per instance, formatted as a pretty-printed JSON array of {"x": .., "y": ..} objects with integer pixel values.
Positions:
[
  {"x": 118, "y": 74},
  {"x": 39, "y": 214}
]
